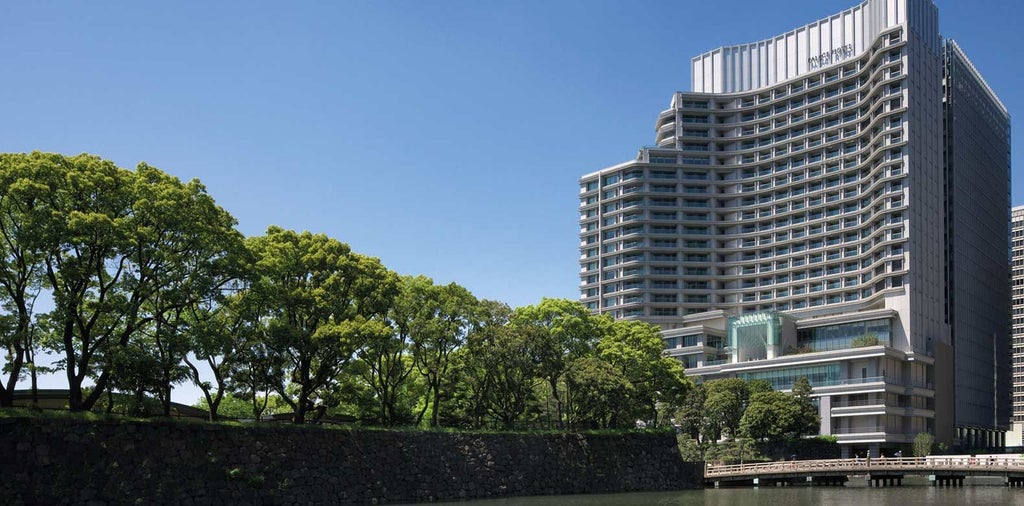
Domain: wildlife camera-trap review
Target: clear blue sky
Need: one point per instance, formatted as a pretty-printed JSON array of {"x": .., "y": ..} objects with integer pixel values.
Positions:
[{"x": 444, "y": 137}]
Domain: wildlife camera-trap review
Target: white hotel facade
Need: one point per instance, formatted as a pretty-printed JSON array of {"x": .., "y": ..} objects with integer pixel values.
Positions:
[
  {"x": 1017, "y": 320},
  {"x": 832, "y": 203}
]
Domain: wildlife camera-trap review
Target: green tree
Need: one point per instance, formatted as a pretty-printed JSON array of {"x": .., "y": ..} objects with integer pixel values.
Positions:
[
  {"x": 923, "y": 442},
  {"x": 569, "y": 332},
  {"x": 166, "y": 343},
  {"x": 809, "y": 421},
  {"x": 91, "y": 250},
  {"x": 116, "y": 249},
  {"x": 501, "y": 361},
  {"x": 696, "y": 422},
  {"x": 726, "y": 401},
  {"x": 385, "y": 360},
  {"x": 234, "y": 407},
  {"x": 760, "y": 385},
  {"x": 636, "y": 349},
  {"x": 22, "y": 210},
  {"x": 451, "y": 313},
  {"x": 219, "y": 334},
  {"x": 775, "y": 416},
  {"x": 770, "y": 416},
  {"x": 134, "y": 372},
  {"x": 598, "y": 394},
  {"x": 464, "y": 407},
  {"x": 472, "y": 377},
  {"x": 254, "y": 370},
  {"x": 188, "y": 248},
  {"x": 323, "y": 302}
]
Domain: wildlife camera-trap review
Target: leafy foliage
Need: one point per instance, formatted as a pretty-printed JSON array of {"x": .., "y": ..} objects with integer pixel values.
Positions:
[
  {"x": 717, "y": 411},
  {"x": 237, "y": 408},
  {"x": 870, "y": 339},
  {"x": 152, "y": 286},
  {"x": 773, "y": 416},
  {"x": 121, "y": 253},
  {"x": 321, "y": 303},
  {"x": 694, "y": 422},
  {"x": 568, "y": 331},
  {"x": 450, "y": 315},
  {"x": 20, "y": 265},
  {"x": 923, "y": 443},
  {"x": 725, "y": 403},
  {"x": 502, "y": 364},
  {"x": 634, "y": 349}
]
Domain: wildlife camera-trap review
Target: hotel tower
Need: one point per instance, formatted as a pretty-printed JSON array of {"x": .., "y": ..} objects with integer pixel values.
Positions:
[
  {"x": 1017, "y": 307},
  {"x": 833, "y": 203}
]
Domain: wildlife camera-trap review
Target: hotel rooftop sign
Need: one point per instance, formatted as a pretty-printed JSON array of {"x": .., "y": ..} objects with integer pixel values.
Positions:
[
  {"x": 746, "y": 67},
  {"x": 829, "y": 57}
]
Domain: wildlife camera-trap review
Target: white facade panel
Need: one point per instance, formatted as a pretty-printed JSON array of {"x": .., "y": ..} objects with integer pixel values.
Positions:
[
  {"x": 764, "y": 58},
  {"x": 698, "y": 74},
  {"x": 837, "y": 29},
  {"x": 801, "y": 51},
  {"x": 824, "y": 38},
  {"x": 858, "y": 29},
  {"x": 716, "y": 73},
  {"x": 790, "y": 57},
  {"x": 815, "y": 36},
  {"x": 830, "y": 40}
]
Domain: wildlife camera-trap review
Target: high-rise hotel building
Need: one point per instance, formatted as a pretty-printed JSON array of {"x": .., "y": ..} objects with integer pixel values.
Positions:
[
  {"x": 1017, "y": 321},
  {"x": 832, "y": 202}
]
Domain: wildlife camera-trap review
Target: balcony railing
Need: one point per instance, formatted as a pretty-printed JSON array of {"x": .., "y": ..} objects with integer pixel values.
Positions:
[{"x": 859, "y": 430}]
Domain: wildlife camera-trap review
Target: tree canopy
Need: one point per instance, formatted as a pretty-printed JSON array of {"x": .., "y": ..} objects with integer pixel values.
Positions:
[
  {"x": 773, "y": 416},
  {"x": 150, "y": 285},
  {"x": 120, "y": 252}
]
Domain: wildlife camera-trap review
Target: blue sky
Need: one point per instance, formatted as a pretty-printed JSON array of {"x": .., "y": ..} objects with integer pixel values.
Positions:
[{"x": 444, "y": 137}]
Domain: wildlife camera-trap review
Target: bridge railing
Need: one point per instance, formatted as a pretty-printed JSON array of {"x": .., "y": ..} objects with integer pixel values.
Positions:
[{"x": 966, "y": 463}]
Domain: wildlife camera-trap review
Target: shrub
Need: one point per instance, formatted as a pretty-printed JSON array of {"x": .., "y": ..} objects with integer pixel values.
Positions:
[
  {"x": 867, "y": 340},
  {"x": 923, "y": 444}
]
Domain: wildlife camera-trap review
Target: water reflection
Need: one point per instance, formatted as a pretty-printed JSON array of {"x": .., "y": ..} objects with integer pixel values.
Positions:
[{"x": 785, "y": 496}]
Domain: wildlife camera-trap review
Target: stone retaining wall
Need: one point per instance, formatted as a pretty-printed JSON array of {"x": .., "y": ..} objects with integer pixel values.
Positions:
[{"x": 46, "y": 461}]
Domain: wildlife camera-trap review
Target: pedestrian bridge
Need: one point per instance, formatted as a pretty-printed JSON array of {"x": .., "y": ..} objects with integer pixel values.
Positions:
[{"x": 941, "y": 471}]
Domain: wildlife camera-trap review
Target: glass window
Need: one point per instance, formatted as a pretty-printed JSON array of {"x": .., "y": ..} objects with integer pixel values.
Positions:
[{"x": 783, "y": 379}]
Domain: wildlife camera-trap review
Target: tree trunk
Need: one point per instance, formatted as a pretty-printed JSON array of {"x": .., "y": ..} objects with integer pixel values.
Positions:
[
  {"x": 74, "y": 390},
  {"x": 257, "y": 413},
  {"x": 166, "y": 387},
  {"x": 17, "y": 359},
  {"x": 211, "y": 403},
  {"x": 74, "y": 382},
  {"x": 387, "y": 414},
  {"x": 426, "y": 404},
  {"x": 553, "y": 381},
  {"x": 266, "y": 400},
  {"x": 101, "y": 386},
  {"x": 6, "y": 397},
  {"x": 140, "y": 396},
  {"x": 7, "y": 393},
  {"x": 33, "y": 374},
  {"x": 301, "y": 406},
  {"x": 434, "y": 405},
  {"x": 214, "y": 404}
]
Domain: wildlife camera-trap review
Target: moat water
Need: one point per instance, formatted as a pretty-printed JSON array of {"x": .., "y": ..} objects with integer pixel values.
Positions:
[{"x": 854, "y": 494}]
